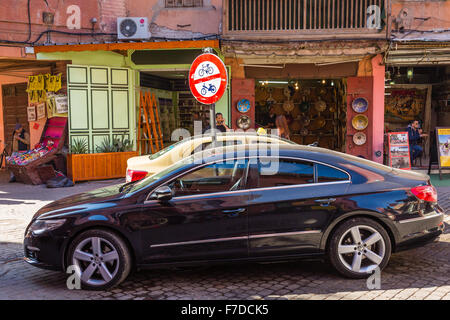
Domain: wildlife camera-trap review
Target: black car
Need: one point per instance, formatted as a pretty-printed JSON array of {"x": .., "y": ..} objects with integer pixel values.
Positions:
[{"x": 239, "y": 205}]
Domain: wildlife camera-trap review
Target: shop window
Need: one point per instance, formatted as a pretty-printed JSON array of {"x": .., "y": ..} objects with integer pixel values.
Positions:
[
  {"x": 217, "y": 177},
  {"x": 328, "y": 174},
  {"x": 284, "y": 172},
  {"x": 183, "y": 3}
]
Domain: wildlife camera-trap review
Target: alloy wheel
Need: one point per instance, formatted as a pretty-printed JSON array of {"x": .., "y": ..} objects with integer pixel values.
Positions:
[
  {"x": 361, "y": 249},
  {"x": 97, "y": 260}
]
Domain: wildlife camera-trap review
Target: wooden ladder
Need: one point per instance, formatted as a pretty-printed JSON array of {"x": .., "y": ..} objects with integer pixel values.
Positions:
[{"x": 149, "y": 109}]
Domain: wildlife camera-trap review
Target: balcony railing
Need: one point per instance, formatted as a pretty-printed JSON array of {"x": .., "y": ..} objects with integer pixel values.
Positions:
[{"x": 303, "y": 18}]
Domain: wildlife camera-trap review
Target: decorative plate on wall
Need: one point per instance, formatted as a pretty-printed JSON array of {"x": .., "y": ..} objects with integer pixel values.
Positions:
[
  {"x": 360, "y": 105},
  {"x": 360, "y": 122},
  {"x": 359, "y": 138},
  {"x": 244, "y": 122},
  {"x": 243, "y": 105}
]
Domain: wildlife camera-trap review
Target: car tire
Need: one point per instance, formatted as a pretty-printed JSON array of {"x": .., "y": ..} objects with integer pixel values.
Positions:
[
  {"x": 357, "y": 256},
  {"x": 101, "y": 257}
]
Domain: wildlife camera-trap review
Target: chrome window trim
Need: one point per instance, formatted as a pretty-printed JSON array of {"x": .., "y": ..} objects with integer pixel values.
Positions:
[
  {"x": 420, "y": 218},
  {"x": 253, "y": 189},
  {"x": 254, "y": 236}
]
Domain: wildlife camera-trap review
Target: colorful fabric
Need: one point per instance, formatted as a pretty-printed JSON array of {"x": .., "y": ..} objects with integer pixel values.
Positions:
[{"x": 23, "y": 158}]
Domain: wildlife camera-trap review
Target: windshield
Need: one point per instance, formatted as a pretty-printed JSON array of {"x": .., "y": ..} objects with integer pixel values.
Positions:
[
  {"x": 167, "y": 149},
  {"x": 155, "y": 177}
]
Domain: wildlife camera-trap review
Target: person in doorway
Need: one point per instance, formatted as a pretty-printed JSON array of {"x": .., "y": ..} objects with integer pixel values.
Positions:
[
  {"x": 220, "y": 124},
  {"x": 270, "y": 119},
  {"x": 282, "y": 127},
  {"x": 415, "y": 135},
  {"x": 20, "y": 142}
]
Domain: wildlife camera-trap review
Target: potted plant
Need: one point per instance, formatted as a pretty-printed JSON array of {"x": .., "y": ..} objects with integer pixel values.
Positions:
[{"x": 109, "y": 161}]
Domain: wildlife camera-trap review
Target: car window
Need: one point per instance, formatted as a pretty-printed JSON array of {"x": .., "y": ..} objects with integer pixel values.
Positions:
[
  {"x": 220, "y": 143},
  {"x": 329, "y": 174},
  {"x": 217, "y": 177},
  {"x": 284, "y": 172}
]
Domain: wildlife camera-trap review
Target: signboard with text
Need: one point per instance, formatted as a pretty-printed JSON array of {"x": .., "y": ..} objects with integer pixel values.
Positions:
[
  {"x": 443, "y": 146},
  {"x": 399, "y": 156}
]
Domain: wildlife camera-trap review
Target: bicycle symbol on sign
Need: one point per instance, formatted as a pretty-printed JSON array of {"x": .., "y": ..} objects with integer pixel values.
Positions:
[
  {"x": 205, "y": 89},
  {"x": 206, "y": 68}
]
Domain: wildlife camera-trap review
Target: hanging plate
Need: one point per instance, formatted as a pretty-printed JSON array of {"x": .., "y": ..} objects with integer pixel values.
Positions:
[
  {"x": 243, "y": 105},
  {"x": 360, "y": 122},
  {"x": 244, "y": 122},
  {"x": 360, "y": 105},
  {"x": 359, "y": 138}
]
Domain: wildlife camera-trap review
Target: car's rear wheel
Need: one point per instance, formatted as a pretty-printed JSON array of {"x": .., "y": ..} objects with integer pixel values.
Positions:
[
  {"x": 358, "y": 246},
  {"x": 101, "y": 258}
]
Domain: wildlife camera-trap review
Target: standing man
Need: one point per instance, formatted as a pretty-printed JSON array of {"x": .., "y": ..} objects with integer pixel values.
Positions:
[
  {"x": 220, "y": 124},
  {"x": 414, "y": 135},
  {"x": 20, "y": 142}
]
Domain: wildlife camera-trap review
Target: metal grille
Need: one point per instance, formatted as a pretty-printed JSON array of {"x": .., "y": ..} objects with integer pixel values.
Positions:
[
  {"x": 183, "y": 3},
  {"x": 284, "y": 15}
]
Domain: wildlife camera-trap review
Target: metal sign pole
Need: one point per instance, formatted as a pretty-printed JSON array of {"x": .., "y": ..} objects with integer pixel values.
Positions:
[{"x": 212, "y": 121}]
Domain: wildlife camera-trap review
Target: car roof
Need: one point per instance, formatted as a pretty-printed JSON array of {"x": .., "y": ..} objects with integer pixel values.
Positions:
[{"x": 316, "y": 154}]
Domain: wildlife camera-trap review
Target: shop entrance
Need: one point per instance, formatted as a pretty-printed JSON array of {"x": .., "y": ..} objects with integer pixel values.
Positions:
[
  {"x": 15, "y": 102},
  {"x": 177, "y": 107},
  {"x": 315, "y": 109},
  {"x": 417, "y": 93}
]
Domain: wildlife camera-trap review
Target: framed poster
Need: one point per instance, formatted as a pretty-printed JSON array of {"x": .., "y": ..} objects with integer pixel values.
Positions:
[
  {"x": 61, "y": 104},
  {"x": 399, "y": 156},
  {"x": 443, "y": 148},
  {"x": 40, "y": 110},
  {"x": 31, "y": 111}
]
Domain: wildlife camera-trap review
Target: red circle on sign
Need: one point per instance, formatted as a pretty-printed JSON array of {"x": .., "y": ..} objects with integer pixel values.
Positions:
[{"x": 208, "y": 78}]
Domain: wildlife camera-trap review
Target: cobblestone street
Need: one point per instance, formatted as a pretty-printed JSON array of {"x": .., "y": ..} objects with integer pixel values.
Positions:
[{"x": 421, "y": 273}]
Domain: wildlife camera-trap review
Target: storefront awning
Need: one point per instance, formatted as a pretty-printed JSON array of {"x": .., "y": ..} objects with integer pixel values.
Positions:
[
  {"x": 418, "y": 54},
  {"x": 189, "y": 44}
]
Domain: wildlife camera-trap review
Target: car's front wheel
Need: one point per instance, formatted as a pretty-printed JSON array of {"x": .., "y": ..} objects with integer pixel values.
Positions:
[
  {"x": 101, "y": 259},
  {"x": 358, "y": 246}
]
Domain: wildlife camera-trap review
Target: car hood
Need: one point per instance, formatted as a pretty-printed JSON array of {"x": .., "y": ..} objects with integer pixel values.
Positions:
[{"x": 82, "y": 202}]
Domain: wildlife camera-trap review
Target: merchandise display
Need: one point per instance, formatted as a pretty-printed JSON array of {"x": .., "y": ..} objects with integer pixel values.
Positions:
[{"x": 22, "y": 158}]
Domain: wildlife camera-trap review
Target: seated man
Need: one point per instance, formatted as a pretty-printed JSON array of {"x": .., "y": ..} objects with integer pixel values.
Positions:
[{"x": 414, "y": 135}]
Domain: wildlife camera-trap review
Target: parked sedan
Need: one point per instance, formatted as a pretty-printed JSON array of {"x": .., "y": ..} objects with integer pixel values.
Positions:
[
  {"x": 143, "y": 166},
  {"x": 239, "y": 205}
]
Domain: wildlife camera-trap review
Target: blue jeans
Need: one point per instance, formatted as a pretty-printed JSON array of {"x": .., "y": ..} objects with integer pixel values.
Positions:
[{"x": 415, "y": 152}]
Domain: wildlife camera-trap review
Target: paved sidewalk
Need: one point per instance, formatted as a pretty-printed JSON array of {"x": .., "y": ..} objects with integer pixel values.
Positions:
[{"x": 422, "y": 273}]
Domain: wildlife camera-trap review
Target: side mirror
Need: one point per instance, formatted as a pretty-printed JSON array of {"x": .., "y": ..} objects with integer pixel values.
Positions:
[{"x": 163, "y": 193}]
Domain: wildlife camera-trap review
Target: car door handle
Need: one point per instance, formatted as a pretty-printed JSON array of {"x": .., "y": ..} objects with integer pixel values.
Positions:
[
  {"x": 234, "y": 212},
  {"x": 325, "y": 202}
]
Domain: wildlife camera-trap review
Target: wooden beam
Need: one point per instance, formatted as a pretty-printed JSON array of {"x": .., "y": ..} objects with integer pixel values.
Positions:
[{"x": 189, "y": 44}]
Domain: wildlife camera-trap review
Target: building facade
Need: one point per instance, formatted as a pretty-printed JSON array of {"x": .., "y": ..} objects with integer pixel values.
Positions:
[{"x": 330, "y": 67}]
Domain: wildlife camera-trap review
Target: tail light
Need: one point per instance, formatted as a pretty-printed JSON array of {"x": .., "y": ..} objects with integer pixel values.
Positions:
[
  {"x": 133, "y": 175},
  {"x": 425, "y": 193}
]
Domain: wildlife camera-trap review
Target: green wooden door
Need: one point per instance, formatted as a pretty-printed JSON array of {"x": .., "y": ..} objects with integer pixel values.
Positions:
[{"x": 101, "y": 105}]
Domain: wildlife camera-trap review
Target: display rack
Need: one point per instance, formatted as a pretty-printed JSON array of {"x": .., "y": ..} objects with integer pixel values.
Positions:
[{"x": 40, "y": 170}]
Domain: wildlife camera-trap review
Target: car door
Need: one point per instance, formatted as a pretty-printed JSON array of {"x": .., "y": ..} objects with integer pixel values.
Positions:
[
  {"x": 289, "y": 206},
  {"x": 206, "y": 219}
]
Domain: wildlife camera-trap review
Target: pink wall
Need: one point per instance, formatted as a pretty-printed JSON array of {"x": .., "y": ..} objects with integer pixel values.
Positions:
[
  {"x": 378, "y": 107},
  {"x": 163, "y": 22},
  {"x": 435, "y": 14},
  {"x": 371, "y": 88}
]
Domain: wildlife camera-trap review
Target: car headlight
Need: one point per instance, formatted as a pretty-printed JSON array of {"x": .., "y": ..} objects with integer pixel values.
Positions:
[{"x": 41, "y": 226}]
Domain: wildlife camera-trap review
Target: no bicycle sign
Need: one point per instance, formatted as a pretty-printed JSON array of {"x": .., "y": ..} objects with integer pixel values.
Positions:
[{"x": 208, "y": 78}]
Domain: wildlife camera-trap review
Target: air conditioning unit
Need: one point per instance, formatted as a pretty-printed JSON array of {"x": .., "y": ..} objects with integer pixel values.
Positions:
[{"x": 132, "y": 28}]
